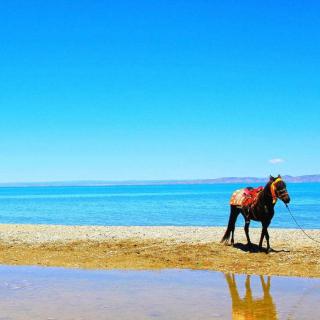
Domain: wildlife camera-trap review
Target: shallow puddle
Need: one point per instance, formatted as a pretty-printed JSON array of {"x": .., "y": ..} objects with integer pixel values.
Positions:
[{"x": 56, "y": 293}]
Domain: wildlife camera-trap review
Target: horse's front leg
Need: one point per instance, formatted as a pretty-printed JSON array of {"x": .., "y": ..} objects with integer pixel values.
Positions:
[
  {"x": 267, "y": 238},
  {"x": 264, "y": 233}
]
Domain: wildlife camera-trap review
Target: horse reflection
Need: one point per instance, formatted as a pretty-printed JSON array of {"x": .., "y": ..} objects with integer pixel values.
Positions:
[{"x": 248, "y": 307}]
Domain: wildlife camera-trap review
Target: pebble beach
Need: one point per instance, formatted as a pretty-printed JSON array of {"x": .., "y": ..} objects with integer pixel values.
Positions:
[{"x": 113, "y": 247}]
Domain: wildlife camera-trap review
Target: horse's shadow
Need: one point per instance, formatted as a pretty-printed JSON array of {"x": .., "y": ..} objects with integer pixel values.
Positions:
[{"x": 254, "y": 248}]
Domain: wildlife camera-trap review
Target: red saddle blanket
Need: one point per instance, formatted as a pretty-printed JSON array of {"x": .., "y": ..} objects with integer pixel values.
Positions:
[{"x": 245, "y": 197}]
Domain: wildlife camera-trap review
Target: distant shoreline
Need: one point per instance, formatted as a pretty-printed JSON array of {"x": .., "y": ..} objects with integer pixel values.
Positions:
[{"x": 97, "y": 183}]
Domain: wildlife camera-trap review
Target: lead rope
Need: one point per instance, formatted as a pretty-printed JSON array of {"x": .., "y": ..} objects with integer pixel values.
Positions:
[{"x": 311, "y": 238}]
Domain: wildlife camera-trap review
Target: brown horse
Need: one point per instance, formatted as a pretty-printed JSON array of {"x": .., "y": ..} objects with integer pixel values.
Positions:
[{"x": 260, "y": 209}]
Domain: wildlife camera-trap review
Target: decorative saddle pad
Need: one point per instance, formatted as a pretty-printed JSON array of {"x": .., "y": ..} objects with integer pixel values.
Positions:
[{"x": 245, "y": 197}]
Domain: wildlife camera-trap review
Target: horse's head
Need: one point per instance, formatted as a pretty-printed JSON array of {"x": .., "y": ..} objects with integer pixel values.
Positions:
[{"x": 279, "y": 189}]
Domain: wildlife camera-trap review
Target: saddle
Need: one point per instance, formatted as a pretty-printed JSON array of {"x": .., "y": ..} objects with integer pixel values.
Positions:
[
  {"x": 245, "y": 197},
  {"x": 251, "y": 195}
]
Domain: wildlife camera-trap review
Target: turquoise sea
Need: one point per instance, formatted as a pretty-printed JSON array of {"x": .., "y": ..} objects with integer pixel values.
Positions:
[{"x": 160, "y": 205}]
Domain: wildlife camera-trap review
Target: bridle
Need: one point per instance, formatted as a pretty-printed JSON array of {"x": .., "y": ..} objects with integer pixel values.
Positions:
[{"x": 275, "y": 193}]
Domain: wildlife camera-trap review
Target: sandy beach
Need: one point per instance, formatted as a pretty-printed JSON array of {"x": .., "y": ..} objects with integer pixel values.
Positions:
[{"x": 199, "y": 248}]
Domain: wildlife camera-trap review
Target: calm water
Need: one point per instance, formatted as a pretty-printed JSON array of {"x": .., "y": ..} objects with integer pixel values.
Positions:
[
  {"x": 52, "y": 293},
  {"x": 179, "y": 205}
]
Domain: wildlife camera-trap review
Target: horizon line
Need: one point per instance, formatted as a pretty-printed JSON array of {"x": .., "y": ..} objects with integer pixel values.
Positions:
[{"x": 93, "y": 182}]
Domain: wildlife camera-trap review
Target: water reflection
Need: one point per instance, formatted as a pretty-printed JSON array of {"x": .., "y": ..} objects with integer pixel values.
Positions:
[
  {"x": 251, "y": 307},
  {"x": 68, "y": 294}
]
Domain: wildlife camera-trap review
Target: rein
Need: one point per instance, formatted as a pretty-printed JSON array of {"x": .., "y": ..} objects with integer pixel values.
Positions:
[{"x": 311, "y": 238}]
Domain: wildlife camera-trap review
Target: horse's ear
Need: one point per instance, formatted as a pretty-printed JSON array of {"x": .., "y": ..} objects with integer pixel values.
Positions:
[{"x": 272, "y": 178}]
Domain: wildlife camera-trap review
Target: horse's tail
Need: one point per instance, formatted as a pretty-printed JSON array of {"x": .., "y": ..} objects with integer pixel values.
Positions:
[{"x": 231, "y": 224}]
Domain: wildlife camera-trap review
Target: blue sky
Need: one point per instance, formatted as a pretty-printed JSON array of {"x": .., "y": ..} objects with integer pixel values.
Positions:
[{"x": 118, "y": 90}]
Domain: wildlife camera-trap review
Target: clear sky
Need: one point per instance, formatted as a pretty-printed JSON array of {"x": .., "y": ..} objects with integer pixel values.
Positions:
[{"x": 118, "y": 90}]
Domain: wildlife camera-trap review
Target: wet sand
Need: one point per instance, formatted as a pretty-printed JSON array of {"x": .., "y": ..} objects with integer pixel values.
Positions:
[{"x": 158, "y": 248}]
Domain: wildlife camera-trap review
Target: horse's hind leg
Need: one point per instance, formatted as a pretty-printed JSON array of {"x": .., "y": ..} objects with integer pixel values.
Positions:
[
  {"x": 246, "y": 230},
  {"x": 235, "y": 212},
  {"x": 232, "y": 236}
]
